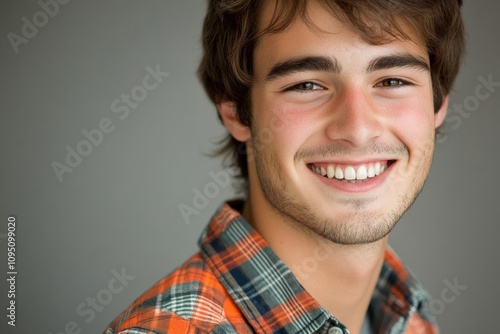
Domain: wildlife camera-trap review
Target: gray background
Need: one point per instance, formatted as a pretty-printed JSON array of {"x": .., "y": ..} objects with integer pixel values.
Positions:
[{"x": 120, "y": 207}]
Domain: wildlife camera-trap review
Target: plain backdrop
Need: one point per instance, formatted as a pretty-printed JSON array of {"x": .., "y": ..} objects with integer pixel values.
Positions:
[{"x": 118, "y": 209}]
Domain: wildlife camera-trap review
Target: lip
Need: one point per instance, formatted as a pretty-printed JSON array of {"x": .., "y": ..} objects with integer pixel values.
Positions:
[{"x": 357, "y": 187}]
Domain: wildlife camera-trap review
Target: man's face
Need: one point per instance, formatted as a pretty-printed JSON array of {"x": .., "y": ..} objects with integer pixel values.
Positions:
[{"x": 361, "y": 114}]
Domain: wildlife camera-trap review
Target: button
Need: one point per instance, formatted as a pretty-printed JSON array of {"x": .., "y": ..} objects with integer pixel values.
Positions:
[{"x": 335, "y": 330}]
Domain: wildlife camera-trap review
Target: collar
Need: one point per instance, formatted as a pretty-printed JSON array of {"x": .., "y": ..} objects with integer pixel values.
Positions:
[{"x": 271, "y": 298}]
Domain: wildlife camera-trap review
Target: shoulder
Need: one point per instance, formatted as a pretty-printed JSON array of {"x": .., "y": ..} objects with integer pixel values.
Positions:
[{"x": 188, "y": 300}]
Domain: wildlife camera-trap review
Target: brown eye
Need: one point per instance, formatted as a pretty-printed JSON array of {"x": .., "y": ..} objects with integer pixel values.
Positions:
[
  {"x": 392, "y": 82},
  {"x": 305, "y": 86}
]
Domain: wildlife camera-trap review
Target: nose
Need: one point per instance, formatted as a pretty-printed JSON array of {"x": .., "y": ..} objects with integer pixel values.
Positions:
[{"x": 355, "y": 118}]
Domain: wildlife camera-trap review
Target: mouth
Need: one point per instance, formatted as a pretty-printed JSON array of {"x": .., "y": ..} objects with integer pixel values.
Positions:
[{"x": 354, "y": 173}]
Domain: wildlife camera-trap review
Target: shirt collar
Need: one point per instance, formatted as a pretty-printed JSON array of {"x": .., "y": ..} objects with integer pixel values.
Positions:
[
  {"x": 269, "y": 295},
  {"x": 397, "y": 296}
]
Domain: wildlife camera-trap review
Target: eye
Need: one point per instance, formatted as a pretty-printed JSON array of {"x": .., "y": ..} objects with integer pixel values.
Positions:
[
  {"x": 304, "y": 86},
  {"x": 393, "y": 83}
]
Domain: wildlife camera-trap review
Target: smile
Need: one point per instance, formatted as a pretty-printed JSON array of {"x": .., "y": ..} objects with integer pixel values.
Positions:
[{"x": 350, "y": 173}]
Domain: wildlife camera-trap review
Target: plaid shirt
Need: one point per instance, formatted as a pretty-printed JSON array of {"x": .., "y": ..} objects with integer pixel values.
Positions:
[{"x": 237, "y": 284}]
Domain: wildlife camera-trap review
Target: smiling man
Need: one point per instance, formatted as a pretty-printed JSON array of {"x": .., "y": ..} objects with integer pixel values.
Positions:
[{"x": 332, "y": 109}]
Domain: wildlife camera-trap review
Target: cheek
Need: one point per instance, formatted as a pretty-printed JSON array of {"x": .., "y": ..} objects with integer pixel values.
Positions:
[
  {"x": 283, "y": 125},
  {"x": 413, "y": 125},
  {"x": 413, "y": 121},
  {"x": 281, "y": 130}
]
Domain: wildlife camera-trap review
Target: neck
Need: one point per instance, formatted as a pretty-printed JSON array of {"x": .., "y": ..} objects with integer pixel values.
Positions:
[{"x": 340, "y": 278}]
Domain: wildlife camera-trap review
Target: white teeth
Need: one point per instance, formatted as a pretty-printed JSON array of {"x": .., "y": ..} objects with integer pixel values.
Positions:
[
  {"x": 371, "y": 171},
  {"x": 330, "y": 172},
  {"x": 339, "y": 174},
  {"x": 350, "y": 173},
  {"x": 362, "y": 173}
]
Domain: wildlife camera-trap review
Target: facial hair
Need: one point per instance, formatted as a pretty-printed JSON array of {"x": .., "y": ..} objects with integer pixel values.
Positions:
[{"x": 360, "y": 226}]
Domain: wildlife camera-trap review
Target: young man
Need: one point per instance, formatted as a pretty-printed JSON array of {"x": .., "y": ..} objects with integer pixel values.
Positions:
[{"x": 332, "y": 109}]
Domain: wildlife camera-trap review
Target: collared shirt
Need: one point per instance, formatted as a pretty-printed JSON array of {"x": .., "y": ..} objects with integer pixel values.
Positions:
[{"x": 237, "y": 284}]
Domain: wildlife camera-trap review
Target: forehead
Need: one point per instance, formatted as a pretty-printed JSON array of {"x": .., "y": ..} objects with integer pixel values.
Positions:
[{"x": 315, "y": 28}]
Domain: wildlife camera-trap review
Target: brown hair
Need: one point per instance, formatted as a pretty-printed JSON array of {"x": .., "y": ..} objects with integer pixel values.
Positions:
[{"x": 230, "y": 35}]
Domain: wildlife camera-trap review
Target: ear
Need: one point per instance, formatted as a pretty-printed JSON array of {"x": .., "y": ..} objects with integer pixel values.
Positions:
[
  {"x": 227, "y": 111},
  {"x": 440, "y": 115}
]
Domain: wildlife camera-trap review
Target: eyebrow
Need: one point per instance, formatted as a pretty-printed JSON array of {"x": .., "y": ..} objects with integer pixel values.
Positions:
[
  {"x": 326, "y": 64},
  {"x": 291, "y": 66},
  {"x": 399, "y": 60}
]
